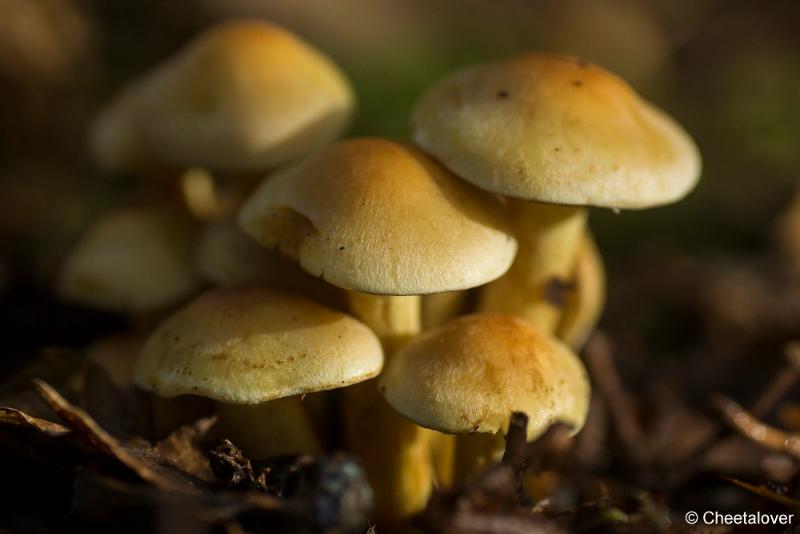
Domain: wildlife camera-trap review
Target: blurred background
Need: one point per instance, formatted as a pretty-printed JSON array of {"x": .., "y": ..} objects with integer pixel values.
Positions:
[{"x": 728, "y": 70}]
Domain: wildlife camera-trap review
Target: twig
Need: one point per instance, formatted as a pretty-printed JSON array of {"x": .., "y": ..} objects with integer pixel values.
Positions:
[
  {"x": 752, "y": 428},
  {"x": 784, "y": 381},
  {"x": 516, "y": 441},
  {"x": 602, "y": 369},
  {"x": 772, "y": 394}
]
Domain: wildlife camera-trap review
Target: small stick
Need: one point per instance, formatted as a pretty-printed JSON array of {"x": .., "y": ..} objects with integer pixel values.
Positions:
[
  {"x": 516, "y": 441},
  {"x": 784, "y": 381},
  {"x": 602, "y": 369},
  {"x": 752, "y": 428},
  {"x": 772, "y": 394}
]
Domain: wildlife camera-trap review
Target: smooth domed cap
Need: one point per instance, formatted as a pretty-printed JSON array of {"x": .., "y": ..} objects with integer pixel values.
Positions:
[
  {"x": 471, "y": 373},
  {"x": 253, "y": 344},
  {"x": 554, "y": 129},
  {"x": 241, "y": 96},
  {"x": 132, "y": 260},
  {"x": 381, "y": 217}
]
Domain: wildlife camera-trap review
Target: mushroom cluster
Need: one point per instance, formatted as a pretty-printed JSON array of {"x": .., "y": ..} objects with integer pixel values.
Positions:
[{"x": 463, "y": 260}]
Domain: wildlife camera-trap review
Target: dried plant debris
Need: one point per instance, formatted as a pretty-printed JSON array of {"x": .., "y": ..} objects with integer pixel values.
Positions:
[
  {"x": 73, "y": 451},
  {"x": 749, "y": 426},
  {"x": 135, "y": 486},
  {"x": 495, "y": 500},
  {"x": 17, "y": 418},
  {"x": 84, "y": 384},
  {"x": 234, "y": 470}
]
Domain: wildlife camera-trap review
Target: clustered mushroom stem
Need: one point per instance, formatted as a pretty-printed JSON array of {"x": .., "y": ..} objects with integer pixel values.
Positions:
[
  {"x": 474, "y": 451},
  {"x": 396, "y": 453},
  {"x": 269, "y": 429},
  {"x": 394, "y": 319},
  {"x": 438, "y": 308},
  {"x": 587, "y": 296},
  {"x": 199, "y": 193},
  {"x": 535, "y": 286}
]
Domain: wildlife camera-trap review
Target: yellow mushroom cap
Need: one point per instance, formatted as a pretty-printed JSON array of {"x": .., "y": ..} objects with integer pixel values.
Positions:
[
  {"x": 241, "y": 96},
  {"x": 471, "y": 373},
  {"x": 132, "y": 260},
  {"x": 252, "y": 344},
  {"x": 381, "y": 217},
  {"x": 554, "y": 129}
]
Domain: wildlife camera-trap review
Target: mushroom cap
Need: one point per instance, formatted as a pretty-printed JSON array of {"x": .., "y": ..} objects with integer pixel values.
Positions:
[
  {"x": 132, "y": 260},
  {"x": 552, "y": 128},
  {"x": 241, "y": 96},
  {"x": 471, "y": 373},
  {"x": 381, "y": 217},
  {"x": 252, "y": 344}
]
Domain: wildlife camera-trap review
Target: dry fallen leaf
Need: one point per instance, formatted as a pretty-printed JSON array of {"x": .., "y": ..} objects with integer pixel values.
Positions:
[{"x": 14, "y": 417}]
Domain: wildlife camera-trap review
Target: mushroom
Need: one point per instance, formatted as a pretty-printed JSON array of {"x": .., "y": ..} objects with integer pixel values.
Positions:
[
  {"x": 563, "y": 133},
  {"x": 385, "y": 221},
  {"x": 255, "y": 351},
  {"x": 132, "y": 261},
  {"x": 587, "y": 297},
  {"x": 467, "y": 376},
  {"x": 242, "y": 96}
]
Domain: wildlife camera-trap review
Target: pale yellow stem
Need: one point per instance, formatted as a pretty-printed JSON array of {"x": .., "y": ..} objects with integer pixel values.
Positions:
[
  {"x": 395, "y": 452},
  {"x": 394, "y": 319},
  {"x": 207, "y": 199},
  {"x": 439, "y": 308},
  {"x": 443, "y": 450},
  {"x": 535, "y": 287},
  {"x": 474, "y": 451},
  {"x": 199, "y": 193},
  {"x": 586, "y": 301},
  {"x": 272, "y": 428}
]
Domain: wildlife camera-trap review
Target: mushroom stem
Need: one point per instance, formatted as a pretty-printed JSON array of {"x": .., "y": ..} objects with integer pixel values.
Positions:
[
  {"x": 272, "y": 428},
  {"x": 394, "y": 319},
  {"x": 395, "y": 452},
  {"x": 588, "y": 295},
  {"x": 443, "y": 452},
  {"x": 473, "y": 451},
  {"x": 438, "y": 308},
  {"x": 535, "y": 287}
]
